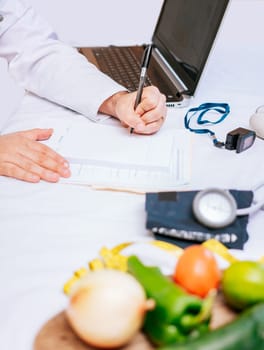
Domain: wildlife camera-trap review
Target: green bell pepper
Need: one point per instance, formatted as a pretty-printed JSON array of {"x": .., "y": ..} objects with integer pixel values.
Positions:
[{"x": 177, "y": 315}]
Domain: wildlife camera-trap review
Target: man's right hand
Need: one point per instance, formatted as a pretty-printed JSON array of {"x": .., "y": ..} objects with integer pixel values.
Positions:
[{"x": 24, "y": 158}]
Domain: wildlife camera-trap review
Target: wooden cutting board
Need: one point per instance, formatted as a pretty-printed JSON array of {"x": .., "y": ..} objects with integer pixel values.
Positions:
[{"x": 57, "y": 334}]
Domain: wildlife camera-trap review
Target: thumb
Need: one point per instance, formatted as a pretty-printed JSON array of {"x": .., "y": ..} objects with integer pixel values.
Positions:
[
  {"x": 38, "y": 134},
  {"x": 144, "y": 106}
]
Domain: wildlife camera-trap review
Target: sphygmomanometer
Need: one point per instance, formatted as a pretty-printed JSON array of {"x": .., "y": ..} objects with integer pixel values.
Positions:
[
  {"x": 186, "y": 217},
  {"x": 217, "y": 208}
]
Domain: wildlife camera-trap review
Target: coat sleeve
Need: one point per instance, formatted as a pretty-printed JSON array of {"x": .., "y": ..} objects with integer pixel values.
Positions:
[{"x": 45, "y": 66}]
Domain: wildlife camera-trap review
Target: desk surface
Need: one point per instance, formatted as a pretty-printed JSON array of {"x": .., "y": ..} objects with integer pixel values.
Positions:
[{"x": 49, "y": 230}]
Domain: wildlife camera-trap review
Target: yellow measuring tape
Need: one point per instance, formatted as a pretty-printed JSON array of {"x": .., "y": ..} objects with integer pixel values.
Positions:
[{"x": 113, "y": 259}]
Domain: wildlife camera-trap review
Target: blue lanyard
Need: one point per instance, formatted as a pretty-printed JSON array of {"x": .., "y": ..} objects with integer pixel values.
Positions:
[{"x": 222, "y": 108}]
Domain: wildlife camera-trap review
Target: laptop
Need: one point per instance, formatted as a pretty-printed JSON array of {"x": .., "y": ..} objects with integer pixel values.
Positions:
[{"x": 182, "y": 41}]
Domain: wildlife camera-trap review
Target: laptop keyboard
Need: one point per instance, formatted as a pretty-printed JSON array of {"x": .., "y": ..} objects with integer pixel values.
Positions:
[{"x": 121, "y": 65}]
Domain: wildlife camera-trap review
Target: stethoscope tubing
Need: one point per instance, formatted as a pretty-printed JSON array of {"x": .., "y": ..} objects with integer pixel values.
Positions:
[{"x": 256, "y": 205}]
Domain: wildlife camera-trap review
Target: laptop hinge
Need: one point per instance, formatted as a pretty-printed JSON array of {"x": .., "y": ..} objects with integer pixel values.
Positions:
[{"x": 173, "y": 77}]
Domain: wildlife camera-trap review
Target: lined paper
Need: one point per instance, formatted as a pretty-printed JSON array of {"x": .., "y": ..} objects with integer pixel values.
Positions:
[{"x": 104, "y": 155}]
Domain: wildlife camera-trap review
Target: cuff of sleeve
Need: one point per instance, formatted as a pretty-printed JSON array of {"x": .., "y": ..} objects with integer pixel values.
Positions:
[{"x": 106, "y": 90}]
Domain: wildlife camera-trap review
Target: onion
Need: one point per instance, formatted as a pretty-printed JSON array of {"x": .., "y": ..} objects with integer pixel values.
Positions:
[{"x": 107, "y": 308}]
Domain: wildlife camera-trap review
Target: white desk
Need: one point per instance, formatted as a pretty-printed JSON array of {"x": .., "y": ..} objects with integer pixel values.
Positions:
[{"x": 49, "y": 230}]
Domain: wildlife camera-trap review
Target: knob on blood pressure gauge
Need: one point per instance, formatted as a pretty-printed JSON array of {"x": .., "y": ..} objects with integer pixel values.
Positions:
[{"x": 217, "y": 208}]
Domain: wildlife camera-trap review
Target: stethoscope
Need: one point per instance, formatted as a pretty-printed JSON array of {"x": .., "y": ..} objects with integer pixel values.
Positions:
[{"x": 217, "y": 208}]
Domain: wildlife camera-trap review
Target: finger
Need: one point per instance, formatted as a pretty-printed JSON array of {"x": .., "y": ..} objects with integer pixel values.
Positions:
[
  {"x": 25, "y": 169},
  {"x": 13, "y": 170},
  {"x": 46, "y": 157},
  {"x": 152, "y": 128},
  {"x": 152, "y": 122},
  {"x": 125, "y": 125},
  {"x": 37, "y": 134},
  {"x": 42, "y": 151},
  {"x": 133, "y": 120},
  {"x": 149, "y": 100},
  {"x": 30, "y": 167},
  {"x": 46, "y": 167},
  {"x": 155, "y": 114},
  {"x": 32, "y": 152}
]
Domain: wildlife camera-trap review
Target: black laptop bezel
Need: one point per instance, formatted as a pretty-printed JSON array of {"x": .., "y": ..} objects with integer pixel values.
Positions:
[{"x": 190, "y": 83}]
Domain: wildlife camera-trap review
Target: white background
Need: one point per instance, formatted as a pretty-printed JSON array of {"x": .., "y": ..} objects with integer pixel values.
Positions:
[{"x": 89, "y": 22}]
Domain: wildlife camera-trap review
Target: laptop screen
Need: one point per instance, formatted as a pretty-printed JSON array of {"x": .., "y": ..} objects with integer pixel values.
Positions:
[{"x": 185, "y": 33}]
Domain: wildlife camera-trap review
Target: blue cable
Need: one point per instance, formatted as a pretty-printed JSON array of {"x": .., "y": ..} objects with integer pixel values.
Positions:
[{"x": 222, "y": 108}]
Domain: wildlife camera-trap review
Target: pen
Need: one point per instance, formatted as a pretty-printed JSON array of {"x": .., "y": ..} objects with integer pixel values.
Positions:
[{"x": 143, "y": 74}]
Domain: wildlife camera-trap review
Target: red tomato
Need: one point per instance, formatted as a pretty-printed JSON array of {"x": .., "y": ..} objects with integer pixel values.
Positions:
[{"x": 197, "y": 270}]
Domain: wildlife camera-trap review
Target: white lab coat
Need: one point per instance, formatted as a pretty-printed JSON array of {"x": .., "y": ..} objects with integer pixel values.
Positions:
[{"x": 47, "y": 67}]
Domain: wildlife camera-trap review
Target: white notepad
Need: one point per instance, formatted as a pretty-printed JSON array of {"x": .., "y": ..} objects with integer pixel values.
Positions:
[{"x": 108, "y": 156}]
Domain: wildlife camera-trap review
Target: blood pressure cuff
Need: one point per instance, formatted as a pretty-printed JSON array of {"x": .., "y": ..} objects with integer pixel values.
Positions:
[{"x": 170, "y": 218}]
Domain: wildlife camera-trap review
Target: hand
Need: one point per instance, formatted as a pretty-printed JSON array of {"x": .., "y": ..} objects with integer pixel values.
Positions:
[
  {"x": 22, "y": 157},
  {"x": 148, "y": 116}
]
